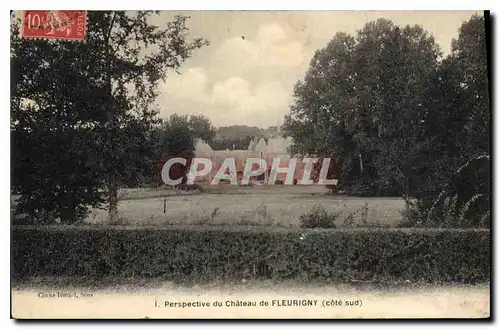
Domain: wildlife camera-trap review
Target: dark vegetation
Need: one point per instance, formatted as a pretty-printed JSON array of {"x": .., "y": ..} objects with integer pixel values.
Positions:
[
  {"x": 238, "y": 137},
  {"x": 200, "y": 254},
  {"x": 83, "y": 120},
  {"x": 318, "y": 217},
  {"x": 401, "y": 120}
]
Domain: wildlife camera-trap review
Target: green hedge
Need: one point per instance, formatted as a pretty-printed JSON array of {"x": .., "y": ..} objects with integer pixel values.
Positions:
[{"x": 205, "y": 254}]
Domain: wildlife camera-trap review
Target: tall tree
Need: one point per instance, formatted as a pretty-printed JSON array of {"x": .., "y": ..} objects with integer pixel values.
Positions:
[
  {"x": 469, "y": 54},
  {"x": 459, "y": 120},
  {"x": 323, "y": 100},
  {"x": 105, "y": 86},
  {"x": 398, "y": 119},
  {"x": 360, "y": 104},
  {"x": 402, "y": 62}
]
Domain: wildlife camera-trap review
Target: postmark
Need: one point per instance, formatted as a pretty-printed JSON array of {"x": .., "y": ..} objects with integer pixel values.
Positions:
[{"x": 54, "y": 24}]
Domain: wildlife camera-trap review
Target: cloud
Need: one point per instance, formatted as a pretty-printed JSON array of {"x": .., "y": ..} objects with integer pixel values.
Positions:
[
  {"x": 234, "y": 90},
  {"x": 229, "y": 101},
  {"x": 193, "y": 81},
  {"x": 184, "y": 93},
  {"x": 239, "y": 103},
  {"x": 240, "y": 94},
  {"x": 271, "y": 48}
]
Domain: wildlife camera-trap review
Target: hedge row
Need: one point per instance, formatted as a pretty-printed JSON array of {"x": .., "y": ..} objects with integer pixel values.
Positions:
[{"x": 377, "y": 255}]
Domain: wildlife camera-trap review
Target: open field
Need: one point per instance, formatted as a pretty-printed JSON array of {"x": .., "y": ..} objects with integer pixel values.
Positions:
[
  {"x": 133, "y": 301},
  {"x": 257, "y": 205}
]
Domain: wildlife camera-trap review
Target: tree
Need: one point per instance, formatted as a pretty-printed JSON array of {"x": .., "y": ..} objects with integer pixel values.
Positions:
[
  {"x": 317, "y": 119},
  {"x": 105, "y": 87},
  {"x": 237, "y": 144},
  {"x": 398, "y": 120},
  {"x": 470, "y": 59},
  {"x": 50, "y": 144},
  {"x": 398, "y": 70},
  {"x": 176, "y": 137},
  {"x": 201, "y": 127},
  {"x": 360, "y": 104},
  {"x": 459, "y": 100},
  {"x": 237, "y": 132}
]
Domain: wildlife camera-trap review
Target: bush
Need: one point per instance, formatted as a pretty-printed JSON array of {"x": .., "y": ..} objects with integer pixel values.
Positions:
[
  {"x": 318, "y": 217},
  {"x": 450, "y": 213},
  {"x": 34, "y": 211},
  {"x": 202, "y": 254},
  {"x": 189, "y": 187},
  {"x": 460, "y": 199}
]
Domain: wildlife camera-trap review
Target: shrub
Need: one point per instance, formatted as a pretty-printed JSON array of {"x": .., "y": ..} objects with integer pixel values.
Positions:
[
  {"x": 450, "y": 213},
  {"x": 349, "y": 221},
  {"x": 189, "y": 187},
  {"x": 318, "y": 217},
  {"x": 257, "y": 217},
  {"x": 458, "y": 199},
  {"x": 49, "y": 209},
  {"x": 202, "y": 254}
]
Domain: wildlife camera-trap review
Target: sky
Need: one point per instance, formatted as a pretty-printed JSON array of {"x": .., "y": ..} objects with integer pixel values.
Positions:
[{"x": 247, "y": 73}]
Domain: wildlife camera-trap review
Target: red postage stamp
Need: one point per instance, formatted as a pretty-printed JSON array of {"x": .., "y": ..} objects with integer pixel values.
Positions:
[{"x": 54, "y": 24}]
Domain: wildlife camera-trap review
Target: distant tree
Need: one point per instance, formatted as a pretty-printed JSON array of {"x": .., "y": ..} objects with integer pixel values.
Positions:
[
  {"x": 176, "y": 138},
  {"x": 240, "y": 136},
  {"x": 237, "y": 144},
  {"x": 202, "y": 128},
  {"x": 236, "y": 132}
]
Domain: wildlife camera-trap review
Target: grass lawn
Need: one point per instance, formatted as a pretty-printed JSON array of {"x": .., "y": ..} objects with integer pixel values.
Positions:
[{"x": 257, "y": 206}]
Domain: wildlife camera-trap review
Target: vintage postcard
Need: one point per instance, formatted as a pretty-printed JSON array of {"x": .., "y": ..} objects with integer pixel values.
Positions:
[{"x": 250, "y": 164}]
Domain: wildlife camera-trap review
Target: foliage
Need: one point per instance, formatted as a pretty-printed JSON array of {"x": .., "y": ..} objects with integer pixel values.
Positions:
[
  {"x": 397, "y": 118},
  {"x": 318, "y": 217},
  {"x": 51, "y": 191},
  {"x": 347, "y": 255},
  {"x": 82, "y": 113},
  {"x": 176, "y": 137},
  {"x": 242, "y": 131},
  {"x": 200, "y": 126},
  {"x": 357, "y": 104},
  {"x": 451, "y": 213},
  {"x": 238, "y": 137},
  {"x": 236, "y": 144}
]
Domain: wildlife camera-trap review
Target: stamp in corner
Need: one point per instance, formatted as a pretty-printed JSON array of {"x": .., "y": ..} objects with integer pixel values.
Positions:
[{"x": 54, "y": 24}]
